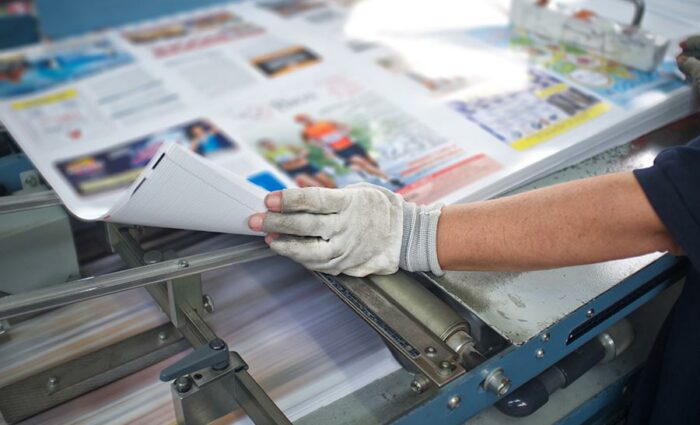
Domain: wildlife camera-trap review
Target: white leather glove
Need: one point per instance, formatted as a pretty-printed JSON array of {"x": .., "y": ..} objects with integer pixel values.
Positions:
[
  {"x": 689, "y": 60},
  {"x": 359, "y": 230}
]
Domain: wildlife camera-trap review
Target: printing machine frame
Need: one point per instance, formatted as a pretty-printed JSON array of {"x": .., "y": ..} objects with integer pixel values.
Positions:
[{"x": 459, "y": 357}]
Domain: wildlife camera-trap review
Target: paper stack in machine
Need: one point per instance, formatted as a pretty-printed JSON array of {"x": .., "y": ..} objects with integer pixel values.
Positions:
[{"x": 186, "y": 121}]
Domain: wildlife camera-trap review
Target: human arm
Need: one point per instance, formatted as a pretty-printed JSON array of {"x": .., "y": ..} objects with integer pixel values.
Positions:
[
  {"x": 581, "y": 222},
  {"x": 689, "y": 59}
]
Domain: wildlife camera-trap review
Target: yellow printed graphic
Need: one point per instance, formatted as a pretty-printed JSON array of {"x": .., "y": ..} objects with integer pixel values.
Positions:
[
  {"x": 560, "y": 127},
  {"x": 45, "y": 100},
  {"x": 547, "y": 92}
]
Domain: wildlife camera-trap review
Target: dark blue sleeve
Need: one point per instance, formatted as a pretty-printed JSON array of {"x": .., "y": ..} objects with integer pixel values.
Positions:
[{"x": 672, "y": 185}]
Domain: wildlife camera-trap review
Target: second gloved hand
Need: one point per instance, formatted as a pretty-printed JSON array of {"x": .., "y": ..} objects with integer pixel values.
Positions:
[
  {"x": 359, "y": 230},
  {"x": 689, "y": 60}
]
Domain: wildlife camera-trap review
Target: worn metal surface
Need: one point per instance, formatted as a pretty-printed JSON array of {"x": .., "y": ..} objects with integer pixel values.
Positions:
[
  {"x": 58, "y": 384},
  {"x": 520, "y": 305}
]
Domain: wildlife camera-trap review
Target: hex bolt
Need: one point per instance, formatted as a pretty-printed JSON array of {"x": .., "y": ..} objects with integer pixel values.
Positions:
[
  {"x": 52, "y": 382},
  {"x": 420, "y": 384},
  {"x": 183, "y": 384},
  {"x": 590, "y": 313},
  {"x": 496, "y": 382},
  {"x": 217, "y": 344},
  {"x": 162, "y": 336},
  {"x": 208, "y": 303},
  {"x": 430, "y": 350},
  {"x": 454, "y": 402},
  {"x": 539, "y": 353},
  {"x": 545, "y": 337},
  {"x": 183, "y": 264}
]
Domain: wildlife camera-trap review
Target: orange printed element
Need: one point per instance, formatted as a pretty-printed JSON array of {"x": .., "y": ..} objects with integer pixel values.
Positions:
[{"x": 329, "y": 134}]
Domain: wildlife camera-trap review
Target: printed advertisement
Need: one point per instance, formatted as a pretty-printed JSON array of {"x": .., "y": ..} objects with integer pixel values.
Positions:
[
  {"x": 524, "y": 118},
  {"x": 335, "y": 132},
  {"x": 607, "y": 78},
  {"x": 35, "y": 71}
]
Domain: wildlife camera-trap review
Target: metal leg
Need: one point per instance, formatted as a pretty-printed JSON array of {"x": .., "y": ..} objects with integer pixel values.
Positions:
[
  {"x": 208, "y": 394},
  {"x": 74, "y": 378}
]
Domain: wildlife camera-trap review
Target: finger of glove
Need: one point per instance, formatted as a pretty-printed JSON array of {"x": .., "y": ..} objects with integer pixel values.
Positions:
[
  {"x": 692, "y": 43},
  {"x": 299, "y": 224},
  {"x": 691, "y": 68},
  {"x": 311, "y": 252},
  {"x": 314, "y": 200}
]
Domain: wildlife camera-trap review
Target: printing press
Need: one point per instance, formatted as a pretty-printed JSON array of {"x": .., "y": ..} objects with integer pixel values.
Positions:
[{"x": 115, "y": 323}]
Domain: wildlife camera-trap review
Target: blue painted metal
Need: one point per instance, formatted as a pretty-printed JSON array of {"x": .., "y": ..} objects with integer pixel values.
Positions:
[
  {"x": 64, "y": 18},
  {"x": 520, "y": 363},
  {"x": 10, "y": 167},
  {"x": 17, "y": 31}
]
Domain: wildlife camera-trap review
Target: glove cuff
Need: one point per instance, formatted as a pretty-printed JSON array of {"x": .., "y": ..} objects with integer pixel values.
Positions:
[{"x": 419, "y": 241}]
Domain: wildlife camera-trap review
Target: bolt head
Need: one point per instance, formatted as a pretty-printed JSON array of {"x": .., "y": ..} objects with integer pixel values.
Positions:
[
  {"x": 454, "y": 402},
  {"x": 208, "y": 303},
  {"x": 183, "y": 384},
  {"x": 545, "y": 337},
  {"x": 539, "y": 353},
  {"x": 417, "y": 386},
  {"x": 217, "y": 344},
  {"x": 430, "y": 350},
  {"x": 183, "y": 264},
  {"x": 590, "y": 313},
  {"x": 162, "y": 336},
  {"x": 52, "y": 381}
]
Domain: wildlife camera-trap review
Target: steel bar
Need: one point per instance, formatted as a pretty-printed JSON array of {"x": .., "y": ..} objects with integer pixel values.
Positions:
[
  {"x": 93, "y": 287},
  {"x": 9, "y": 204}
]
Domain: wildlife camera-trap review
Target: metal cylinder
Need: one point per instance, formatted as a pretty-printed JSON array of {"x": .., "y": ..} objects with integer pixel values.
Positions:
[{"x": 432, "y": 312}]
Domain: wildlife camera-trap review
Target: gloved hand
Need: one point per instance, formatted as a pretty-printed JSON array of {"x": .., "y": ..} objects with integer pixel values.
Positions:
[
  {"x": 689, "y": 60},
  {"x": 359, "y": 230}
]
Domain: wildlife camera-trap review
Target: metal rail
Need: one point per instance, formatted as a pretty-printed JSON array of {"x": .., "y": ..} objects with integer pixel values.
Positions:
[
  {"x": 93, "y": 287},
  {"x": 9, "y": 204}
]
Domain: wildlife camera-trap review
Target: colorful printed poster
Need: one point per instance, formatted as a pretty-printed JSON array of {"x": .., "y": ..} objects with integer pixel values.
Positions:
[
  {"x": 335, "y": 132},
  {"x": 523, "y": 118},
  {"x": 118, "y": 166},
  {"x": 193, "y": 33},
  {"x": 34, "y": 71},
  {"x": 607, "y": 78}
]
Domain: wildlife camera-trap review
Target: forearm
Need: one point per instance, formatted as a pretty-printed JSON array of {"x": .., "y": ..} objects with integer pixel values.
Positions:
[{"x": 580, "y": 222}]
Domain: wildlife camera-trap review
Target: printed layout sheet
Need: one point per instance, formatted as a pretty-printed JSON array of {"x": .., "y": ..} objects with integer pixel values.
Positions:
[{"x": 187, "y": 121}]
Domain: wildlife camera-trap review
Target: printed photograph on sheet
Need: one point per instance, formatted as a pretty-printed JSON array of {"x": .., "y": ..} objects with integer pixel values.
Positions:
[
  {"x": 286, "y": 60},
  {"x": 193, "y": 33},
  {"x": 334, "y": 132},
  {"x": 117, "y": 167},
  {"x": 605, "y": 77},
  {"x": 29, "y": 72},
  {"x": 288, "y": 8},
  {"x": 523, "y": 118}
]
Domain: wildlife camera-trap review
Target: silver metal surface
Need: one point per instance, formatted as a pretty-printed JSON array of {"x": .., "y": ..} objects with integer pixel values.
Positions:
[
  {"x": 28, "y": 202},
  {"x": 399, "y": 328},
  {"x": 454, "y": 402},
  {"x": 497, "y": 382},
  {"x": 93, "y": 287}
]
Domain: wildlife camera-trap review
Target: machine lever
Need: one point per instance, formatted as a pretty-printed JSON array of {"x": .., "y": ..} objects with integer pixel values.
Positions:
[{"x": 214, "y": 355}]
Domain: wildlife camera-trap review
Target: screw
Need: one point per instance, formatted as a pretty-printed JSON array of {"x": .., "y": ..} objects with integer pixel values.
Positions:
[
  {"x": 217, "y": 344},
  {"x": 545, "y": 337},
  {"x": 497, "y": 382},
  {"x": 420, "y": 383},
  {"x": 183, "y": 384},
  {"x": 208, "y": 303},
  {"x": 590, "y": 313},
  {"x": 183, "y": 264},
  {"x": 52, "y": 382},
  {"x": 430, "y": 350},
  {"x": 162, "y": 336},
  {"x": 454, "y": 402},
  {"x": 539, "y": 353}
]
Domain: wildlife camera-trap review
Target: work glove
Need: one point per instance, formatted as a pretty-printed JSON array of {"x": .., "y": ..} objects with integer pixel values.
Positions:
[
  {"x": 359, "y": 230},
  {"x": 689, "y": 60}
]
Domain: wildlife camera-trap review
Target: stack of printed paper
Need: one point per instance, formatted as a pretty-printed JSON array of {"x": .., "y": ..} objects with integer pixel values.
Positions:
[{"x": 442, "y": 102}]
